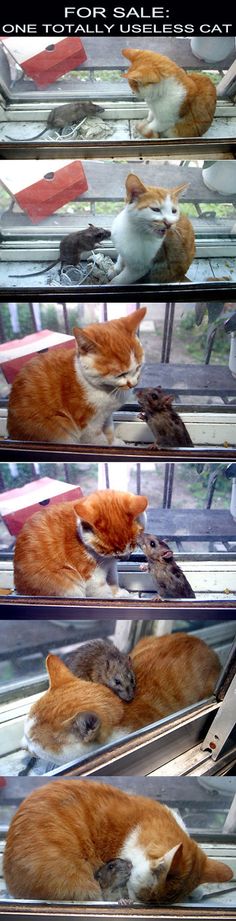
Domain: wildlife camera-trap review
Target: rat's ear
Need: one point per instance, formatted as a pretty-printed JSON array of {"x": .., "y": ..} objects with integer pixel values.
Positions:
[{"x": 168, "y": 398}]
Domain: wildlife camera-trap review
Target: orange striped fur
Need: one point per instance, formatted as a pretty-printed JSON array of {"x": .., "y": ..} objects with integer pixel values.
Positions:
[
  {"x": 52, "y": 553},
  {"x": 190, "y": 98},
  {"x": 68, "y": 396}
]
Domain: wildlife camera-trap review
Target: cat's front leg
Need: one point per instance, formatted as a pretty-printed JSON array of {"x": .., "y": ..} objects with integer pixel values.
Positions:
[
  {"x": 97, "y": 586},
  {"x": 119, "y": 592},
  {"x": 109, "y": 432},
  {"x": 117, "y": 267},
  {"x": 93, "y": 437},
  {"x": 128, "y": 275},
  {"x": 151, "y": 130},
  {"x": 112, "y": 581}
]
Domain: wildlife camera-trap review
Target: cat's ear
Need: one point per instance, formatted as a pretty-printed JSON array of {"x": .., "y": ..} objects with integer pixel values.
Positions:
[
  {"x": 58, "y": 673},
  {"x": 84, "y": 342},
  {"x": 86, "y": 509},
  {"x": 178, "y": 189},
  {"x": 170, "y": 862},
  {"x": 215, "y": 871},
  {"x": 134, "y": 187},
  {"x": 130, "y": 53},
  {"x": 136, "y": 504},
  {"x": 87, "y": 725},
  {"x": 134, "y": 319}
]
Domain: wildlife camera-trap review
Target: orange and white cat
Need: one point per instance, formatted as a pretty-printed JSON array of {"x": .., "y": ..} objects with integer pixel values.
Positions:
[
  {"x": 179, "y": 104},
  {"x": 150, "y": 216},
  {"x": 68, "y": 396},
  {"x": 64, "y": 831},
  {"x": 75, "y": 717},
  {"x": 70, "y": 549}
]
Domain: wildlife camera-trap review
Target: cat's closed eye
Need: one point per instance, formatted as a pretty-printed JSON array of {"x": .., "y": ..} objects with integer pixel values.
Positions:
[
  {"x": 87, "y": 527},
  {"x": 156, "y": 209}
]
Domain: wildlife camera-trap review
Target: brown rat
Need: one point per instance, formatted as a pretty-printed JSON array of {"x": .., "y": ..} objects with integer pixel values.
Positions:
[
  {"x": 168, "y": 577},
  {"x": 69, "y": 114},
  {"x": 72, "y": 246},
  {"x": 100, "y": 661},
  {"x": 165, "y": 423},
  {"x": 113, "y": 877}
]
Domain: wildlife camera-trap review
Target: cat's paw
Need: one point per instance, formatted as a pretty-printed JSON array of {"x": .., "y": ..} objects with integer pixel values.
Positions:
[
  {"x": 143, "y": 567},
  {"x": 119, "y": 592},
  {"x": 113, "y": 280},
  {"x": 140, "y": 127},
  {"x": 117, "y": 443},
  {"x": 111, "y": 273}
]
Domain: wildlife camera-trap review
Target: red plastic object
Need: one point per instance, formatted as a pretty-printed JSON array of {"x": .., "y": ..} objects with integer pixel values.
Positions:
[
  {"x": 55, "y": 61},
  {"x": 35, "y": 343},
  {"x": 16, "y": 518},
  {"x": 53, "y": 191}
]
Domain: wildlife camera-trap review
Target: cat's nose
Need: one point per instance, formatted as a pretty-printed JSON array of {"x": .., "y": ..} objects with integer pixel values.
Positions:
[{"x": 167, "y": 223}]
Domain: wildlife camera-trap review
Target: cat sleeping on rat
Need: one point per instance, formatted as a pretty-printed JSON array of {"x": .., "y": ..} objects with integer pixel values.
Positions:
[
  {"x": 75, "y": 716},
  {"x": 63, "y": 832},
  {"x": 151, "y": 236},
  {"x": 70, "y": 549},
  {"x": 68, "y": 396},
  {"x": 179, "y": 104}
]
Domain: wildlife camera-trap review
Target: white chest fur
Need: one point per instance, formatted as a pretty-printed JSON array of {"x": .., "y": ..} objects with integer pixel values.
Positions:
[
  {"x": 164, "y": 100},
  {"x": 134, "y": 241},
  {"x": 140, "y": 873}
]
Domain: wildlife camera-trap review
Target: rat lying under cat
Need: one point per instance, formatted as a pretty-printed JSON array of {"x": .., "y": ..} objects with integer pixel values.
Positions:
[
  {"x": 165, "y": 423},
  {"x": 113, "y": 878},
  {"x": 63, "y": 832},
  {"x": 72, "y": 246},
  {"x": 69, "y": 114},
  {"x": 169, "y": 579}
]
